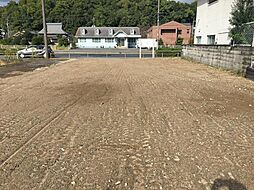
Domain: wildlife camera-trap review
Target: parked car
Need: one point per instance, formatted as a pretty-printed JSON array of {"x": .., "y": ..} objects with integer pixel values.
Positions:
[{"x": 34, "y": 51}]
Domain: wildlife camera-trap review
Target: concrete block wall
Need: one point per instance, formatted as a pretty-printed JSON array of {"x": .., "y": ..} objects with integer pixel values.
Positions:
[{"x": 231, "y": 58}]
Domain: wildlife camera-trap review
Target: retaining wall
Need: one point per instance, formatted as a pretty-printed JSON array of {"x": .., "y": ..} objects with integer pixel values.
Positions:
[{"x": 236, "y": 59}]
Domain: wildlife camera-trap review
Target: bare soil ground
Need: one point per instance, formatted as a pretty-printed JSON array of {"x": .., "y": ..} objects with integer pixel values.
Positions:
[
  {"x": 22, "y": 66},
  {"x": 127, "y": 124}
]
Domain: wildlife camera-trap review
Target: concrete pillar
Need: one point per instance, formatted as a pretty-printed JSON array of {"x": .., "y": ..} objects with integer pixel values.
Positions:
[
  {"x": 126, "y": 43},
  {"x": 253, "y": 41}
]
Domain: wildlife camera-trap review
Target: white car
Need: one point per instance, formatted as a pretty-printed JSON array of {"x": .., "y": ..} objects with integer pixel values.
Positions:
[{"x": 34, "y": 51}]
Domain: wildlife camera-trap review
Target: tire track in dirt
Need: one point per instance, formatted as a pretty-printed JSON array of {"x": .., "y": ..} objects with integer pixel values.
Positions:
[
  {"x": 49, "y": 121},
  {"x": 100, "y": 94},
  {"x": 139, "y": 160},
  {"x": 69, "y": 135},
  {"x": 43, "y": 128}
]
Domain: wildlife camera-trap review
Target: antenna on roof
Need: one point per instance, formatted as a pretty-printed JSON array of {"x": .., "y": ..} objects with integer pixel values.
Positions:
[{"x": 93, "y": 22}]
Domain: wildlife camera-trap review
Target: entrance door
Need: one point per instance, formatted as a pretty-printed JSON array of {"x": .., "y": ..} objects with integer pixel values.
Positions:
[{"x": 120, "y": 42}]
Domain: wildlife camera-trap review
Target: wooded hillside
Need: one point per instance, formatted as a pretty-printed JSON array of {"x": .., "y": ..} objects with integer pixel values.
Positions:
[{"x": 26, "y": 15}]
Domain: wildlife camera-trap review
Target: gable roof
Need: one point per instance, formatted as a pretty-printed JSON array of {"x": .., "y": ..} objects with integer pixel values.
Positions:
[
  {"x": 171, "y": 23},
  {"x": 105, "y": 31},
  {"x": 54, "y": 29},
  {"x": 120, "y": 32}
]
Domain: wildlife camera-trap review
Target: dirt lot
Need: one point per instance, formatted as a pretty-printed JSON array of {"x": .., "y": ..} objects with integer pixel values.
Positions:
[
  {"x": 20, "y": 66},
  {"x": 127, "y": 124}
]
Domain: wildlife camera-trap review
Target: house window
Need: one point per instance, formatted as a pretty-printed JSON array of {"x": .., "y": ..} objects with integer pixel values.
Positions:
[
  {"x": 110, "y": 31},
  {"x": 211, "y": 1},
  {"x": 180, "y": 32},
  {"x": 168, "y": 31},
  {"x": 199, "y": 38},
  {"x": 188, "y": 31},
  {"x": 211, "y": 39},
  {"x": 97, "y": 31},
  {"x": 83, "y": 40},
  {"x": 96, "y": 40},
  {"x": 83, "y": 31},
  {"x": 109, "y": 40},
  {"x": 132, "y": 31}
]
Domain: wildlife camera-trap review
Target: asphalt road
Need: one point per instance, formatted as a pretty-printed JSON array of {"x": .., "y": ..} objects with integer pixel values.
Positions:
[
  {"x": 102, "y": 53},
  {"x": 126, "y": 124},
  {"x": 93, "y": 55}
]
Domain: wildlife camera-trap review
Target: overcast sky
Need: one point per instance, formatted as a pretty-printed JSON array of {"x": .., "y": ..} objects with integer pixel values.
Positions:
[{"x": 4, "y": 2}]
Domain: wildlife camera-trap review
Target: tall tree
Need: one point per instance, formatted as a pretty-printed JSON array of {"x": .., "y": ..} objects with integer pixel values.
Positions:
[
  {"x": 241, "y": 16},
  {"x": 26, "y": 14}
]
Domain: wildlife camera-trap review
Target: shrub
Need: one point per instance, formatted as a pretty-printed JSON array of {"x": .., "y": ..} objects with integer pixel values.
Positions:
[
  {"x": 179, "y": 41},
  {"x": 9, "y": 55},
  {"x": 63, "y": 42},
  {"x": 161, "y": 43},
  {"x": 37, "y": 40}
]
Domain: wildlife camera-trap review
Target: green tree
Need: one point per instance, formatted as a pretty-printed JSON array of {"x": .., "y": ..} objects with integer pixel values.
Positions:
[
  {"x": 37, "y": 40},
  {"x": 26, "y": 14},
  {"x": 161, "y": 43},
  {"x": 241, "y": 15},
  {"x": 63, "y": 41}
]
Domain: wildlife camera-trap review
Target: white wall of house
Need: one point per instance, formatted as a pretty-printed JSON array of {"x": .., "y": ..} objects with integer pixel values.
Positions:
[
  {"x": 107, "y": 42},
  {"x": 212, "y": 22},
  {"x": 99, "y": 43}
]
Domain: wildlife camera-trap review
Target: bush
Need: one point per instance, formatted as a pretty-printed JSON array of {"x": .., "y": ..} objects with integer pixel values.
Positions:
[
  {"x": 161, "y": 43},
  {"x": 176, "y": 48},
  {"x": 9, "y": 55},
  {"x": 169, "y": 52},
  {"x": 16, "y": 40},
  {"x": 63, "y": 42},
  {"x": 24, "y": 41},
  {"x": 179, "y": 41},
  {"x": 37, "y": 40},
  {"x": 7, "y": 41}
]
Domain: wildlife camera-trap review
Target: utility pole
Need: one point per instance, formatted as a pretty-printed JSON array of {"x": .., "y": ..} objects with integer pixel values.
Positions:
[
  {"x": 158, "y": 22},
  {"x": 45, "y": 29},
  {"x": 8, "y": 29}
]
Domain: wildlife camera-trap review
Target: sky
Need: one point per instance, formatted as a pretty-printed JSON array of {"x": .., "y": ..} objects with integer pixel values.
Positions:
[{"x": 4, "y": 2}]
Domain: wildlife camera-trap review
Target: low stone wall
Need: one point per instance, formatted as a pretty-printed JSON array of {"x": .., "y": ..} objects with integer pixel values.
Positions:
[{"x": 236, "y": 59}]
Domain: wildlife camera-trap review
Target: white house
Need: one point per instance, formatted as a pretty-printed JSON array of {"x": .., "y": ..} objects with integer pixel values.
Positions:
[
  {"x": 212, "y": 22},
  {"x": 107, "y": 37}
]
